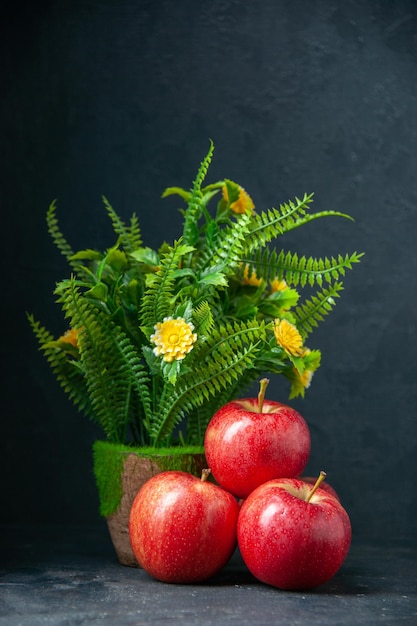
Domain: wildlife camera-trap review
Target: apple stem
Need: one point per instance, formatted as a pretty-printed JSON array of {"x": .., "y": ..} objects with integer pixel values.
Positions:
[
  {"x": 205, "y": 474},
  {"x": 264, "y": 382},
  {"x": 316, "y": 485}
]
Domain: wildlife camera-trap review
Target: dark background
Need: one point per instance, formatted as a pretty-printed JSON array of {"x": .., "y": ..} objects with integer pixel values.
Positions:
[{"x": 120, "y": 98}]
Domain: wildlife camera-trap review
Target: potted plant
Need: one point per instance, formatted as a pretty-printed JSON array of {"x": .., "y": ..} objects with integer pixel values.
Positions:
[{"x": 158, "y": 340}]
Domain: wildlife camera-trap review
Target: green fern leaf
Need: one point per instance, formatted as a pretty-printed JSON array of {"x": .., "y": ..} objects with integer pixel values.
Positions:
[
  {"x": 179, "y": 191},
  {"x": 228, "y": 247},
  {"x": 129, "y": 237},
  {"x": 310, "y": 313},
  {"x": 269, "y": 224},
  {"x": 111, "y": 388},
  {"x": 158, "y": 298},
  {"x": 58, "y": 238},
  {"x": 230, "y": 337},
  {"x": 135, "y": 234},
  {"x": 203, "y": 319},
  {"x": 68, "y": 375},
  {"x": 301, "y": 271},
  {"x": 195, "y": 205}
]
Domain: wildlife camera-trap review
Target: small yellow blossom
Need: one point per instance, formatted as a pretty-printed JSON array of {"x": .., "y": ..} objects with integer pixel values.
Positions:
[
  {"x": 71, "y": 336},
  {"x": 300, "y": 382},
  {"x": 307, "y": 375},
  {"x": 244, "y": 202},
  {"x": 288, "y": 337},
  {"x": 173, "y": 338},
  {"x": 304, "y": 378},
  {"x": 252, "y": 279},
  {"x": 278, "y": 285}
]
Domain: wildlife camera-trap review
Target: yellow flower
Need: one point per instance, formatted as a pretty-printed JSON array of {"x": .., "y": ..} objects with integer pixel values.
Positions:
[
  {"x": 305, "y": 377},
  {"x": 71, "y": 336},
  {"x": 244, "y": 202},
  {"x": 252, "y": 279},
  {"x": 173, "y": 338},
  {"x": 300, "y": 382},
  {"x": 278, "y": 285},
  {"x": 288, "y": 337}
]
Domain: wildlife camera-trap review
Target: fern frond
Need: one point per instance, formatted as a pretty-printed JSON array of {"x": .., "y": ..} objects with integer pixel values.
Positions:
[
  {"x": 202, "y": 384},
  {"x": 57, "y": 237},
  {"x": 310, "y": 313},
  {"x": 156, "y": 303},
  {"x": 203, "y": 318},
  {"x": 113, "y": 387},
  {"x": 270, "y": 224},
  {"x": 230, "y": 337},
  {"x": 195, "y": 208},
  {"x": 129, "y": 236},
  {"x": 315, "y": 216},
  {"x": 228, "y": 247},
  {"x": 296, "y": 270},
  {"x": 41, "y": 333},
  {"x": 135, "y": 234},
  {"x": 179, "y": 191},
  {"x": 68, "y": 375}
]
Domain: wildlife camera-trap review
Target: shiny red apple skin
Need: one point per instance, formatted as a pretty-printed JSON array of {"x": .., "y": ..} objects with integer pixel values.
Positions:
[
  {"x": 245, "y": 448},
  {"x": 290, "y": 543},
  {"x": 182, "y": 529}
]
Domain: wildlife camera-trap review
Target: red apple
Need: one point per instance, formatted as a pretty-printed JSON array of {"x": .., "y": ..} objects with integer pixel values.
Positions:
[
  {"x": 182, "y": 528},
  {"x": 311, "y": 480},
  {"x": 293, "y": 536},
  {"x": 251, "y": 441}
]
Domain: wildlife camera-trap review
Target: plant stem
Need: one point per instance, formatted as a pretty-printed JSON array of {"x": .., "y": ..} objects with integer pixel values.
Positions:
[
  {"x": 205, "y": 474},
  {"x": 317, "y": 484},
  {"x": 264, "y": 382}
]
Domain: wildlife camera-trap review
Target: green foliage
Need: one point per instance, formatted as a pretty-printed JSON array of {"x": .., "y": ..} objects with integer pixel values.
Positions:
[
  {"x": 161, "y": 287},
  {"x": 313, "y": 311},
  {"x": 300, "y": 271},
  {"x": 129, "y": 236},
  {"x": 56, "y": 234},
  {"x": 62, "y": 358},
  {"x": 203, "y": 319},
  {"x": 115, "y": 376},
  {"x": 195, "y": 202},
  {"x": 159, "y": 339}
]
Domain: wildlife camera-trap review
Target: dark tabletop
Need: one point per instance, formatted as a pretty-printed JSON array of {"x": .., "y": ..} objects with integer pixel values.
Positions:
[{"x": 66, "y": 576}]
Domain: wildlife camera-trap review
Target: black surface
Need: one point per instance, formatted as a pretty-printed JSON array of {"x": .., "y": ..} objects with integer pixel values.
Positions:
[{"x": 65, "y": 576}]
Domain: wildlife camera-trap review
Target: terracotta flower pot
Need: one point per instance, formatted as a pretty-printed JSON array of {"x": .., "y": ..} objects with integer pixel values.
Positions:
[{"x": 121, "y": 470}]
